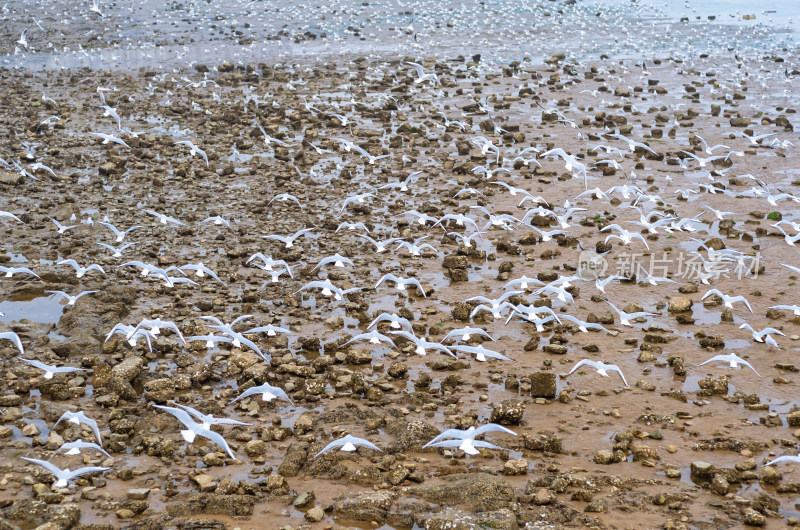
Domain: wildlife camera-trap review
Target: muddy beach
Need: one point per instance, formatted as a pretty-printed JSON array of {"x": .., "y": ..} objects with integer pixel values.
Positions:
[{"x": 681, "y": 445}]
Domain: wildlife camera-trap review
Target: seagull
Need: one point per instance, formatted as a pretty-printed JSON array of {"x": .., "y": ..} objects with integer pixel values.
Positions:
[
  {"x": 754, "y": 139},
  {"x": 401, "y": 283},
  {"x": 9, "y": 215},
  {"x": 50, "y": 371},
  {"x": 650, "y": 278},
  {"x": 731, "y": 358},
  {"x": 23, "y": 41},
  {"x": 422, "y": 344},
  {"x": 764, "y": 334},
  {"x": 780, "y": 459},
  {"x": 466, "y": 334},
  {"x": 110, "y": 112},
  {"x": 601, "y": 367},
  {"x": 793, "y": 308},
  {"x": 80, "y": 271},
  {"x": 195, "y": 429},
  {"x": 352, "y": 226},
  {"x": 421, "y": 75},
  {"x": 120, "y": 234},
  {"x": 289, "y": 241},
  {"x": 328, "y": 289},
  {"x": 464, "y": 439},
  {"x": 728, "y": 300},
  {"x": 208, "y": 420},
  {"x": 270, "y": 330},
  {"x": 395, "y": 322},
  {"x": 116, "y": 252},
  {"x": 358, "y": 198},
  {"x": 194, "y": 150},
  {"x": 62, "y": 228},
  {"x": 584, "y": 326},
  {"x": 63, "y": 476},
  {"x": 156, "y": 325},
  {"x": 210, "y": 340},
  {"x": 269, "y": 139},
  {"x": 95, "y": 8},
  {"x": 337, "y": 259},
  {"x": 79, "y": 418},
  {"x": 348, "y": 443},
  {"x": 200, "y": 271},
  {"x": 374, "y": 337},
  {"x": 284, "y": 197},
  {"x": 74, "y": 448},
  {"x": 267, "y": 391},
  {"x": 497, "y": 303},
  {"x": 13, "y": 337},
  {"x": 601, "y": 284},
  {"x": 464, "y": 240},
  {"x": 71, "y": 299},
  {"x": 164, "y": 219},
  {"x": 481, "y": 353},
  {"x": 380, "y": 246},
  {"x": 11, "y": 271},
  {"x": 110, "y": 138},
  {"x": 403, "y": 184},
  {"x": 624, "y": 236},
  {"x": 632, "y": 145},
  {"x": 217, "y": 220},
  {"x": 625, "y": 318}
]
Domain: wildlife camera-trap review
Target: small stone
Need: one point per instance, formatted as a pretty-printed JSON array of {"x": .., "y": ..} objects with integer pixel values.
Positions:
[
  {"x": 604, "y": 457},
  {"x": 315, "y": 514},
  {"x": 138, "y": 494}
]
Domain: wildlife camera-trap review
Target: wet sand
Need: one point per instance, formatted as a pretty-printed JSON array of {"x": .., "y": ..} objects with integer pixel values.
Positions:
[{"x": 654, "y": 430}]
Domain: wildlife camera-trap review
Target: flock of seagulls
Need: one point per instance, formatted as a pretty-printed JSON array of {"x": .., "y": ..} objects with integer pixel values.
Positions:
[{"x": 365, "y": 219}]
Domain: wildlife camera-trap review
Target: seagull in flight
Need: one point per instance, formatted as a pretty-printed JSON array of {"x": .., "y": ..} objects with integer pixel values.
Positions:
[
  {"x": 289, "y": 241},
  {"x": 79, "y": 418},
  {"x": 464, "y": 439},
  {"x": 164, "y": 219},
  {"x": 601, "y": 367},
  {"x": 71, "y": 299},
  {"x": 625, "y": 318},
  {"x": 728, "y": 301},
  {"x": 81, "y": 271},
  {"x": 267, "y": 391},
  {"x": 732, "y": 359},
  {"x": 120, "y": 234},
  {"x": 401, "y": 283},
  {"x": 194, "y": 150},
  {"x": 63, "y": 476},
  {"x": 74, "y": 448},
  {"x": 110, "y": 138},
  {"x": 50, "y": 371},
  {"x": 62, "y": 228},
  {"x": 194, "y": 429},
  {"x": 349, "y": 444}
]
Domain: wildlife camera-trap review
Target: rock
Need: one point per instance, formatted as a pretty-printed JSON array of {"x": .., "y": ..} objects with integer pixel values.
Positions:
[
  {"x": 753, "y": 518},
  {"x": 296, "y": 457},
  {"x": 597, "y": 506},
  {"x": 508, "y": 412},
  {"x": 304, "y": 499},
  {"x": 515, "y": 467},
  {"x": 543, "y": 385},
  {"x": 138, "y": 494},
  {"x": 128, "y": 369},
  {"x": 479, "y": 491},
  {"x": 365, "y": 506},
  {"x": 455, "y": 262},
  {"x": 205, "y": 482},
  {"x": 410, "y": 435},
  {"x": 770, "y": 475},
  {"x": 679, "y": 304},
  {"x": 702, "y": 470},
  {"x": 315, "y": 514},
  {"x": 604, "y": 457},
  {"x": 719, "y": 485}
]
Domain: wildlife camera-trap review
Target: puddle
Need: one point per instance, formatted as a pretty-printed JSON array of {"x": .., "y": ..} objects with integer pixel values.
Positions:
[{"x": 34, "y": 305}]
